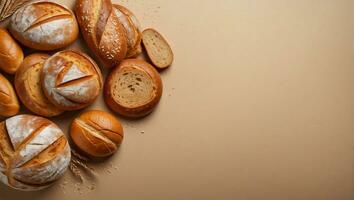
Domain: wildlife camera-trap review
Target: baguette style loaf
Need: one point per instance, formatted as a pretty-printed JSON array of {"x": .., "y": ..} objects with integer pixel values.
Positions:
[
  {"x": 71, "y": 80},
  {"x": 102, "y": 30},
  {"x": 11, "y": 54},
  {"x": 9, "y": 104},
  {"x": 34, "y": 152},
  {"x": 44, "y": 26}
]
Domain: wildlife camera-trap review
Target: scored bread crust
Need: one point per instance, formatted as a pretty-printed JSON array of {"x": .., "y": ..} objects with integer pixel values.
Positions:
[
  {"x": 97, "y": 133},
  {"x": 44, "y": 26},
  {"x": 9, "y": 104},
  {"x": 11, "y": 54},
  {"x": 133, "y": 111},
  {"x": 71, "y": 80},
  {"x": 29, "y": 88},
  {"x": 34, "y": 152},
  {"x": 102, "y": 30}
]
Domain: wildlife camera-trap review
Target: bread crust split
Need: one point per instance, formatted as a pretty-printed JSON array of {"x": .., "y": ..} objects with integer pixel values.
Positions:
[
  {"x": 44, "y": 25},
  {"x": 97, "y": 134},
  {"x": 133, "y": 89},
  {"x": 11, "y": 54},
  {"x": 34, "y": 152},
  {"x": 9, "y": 105},
  {"x": 29, "y": 88},
  {"x": 71, "y": 80}
]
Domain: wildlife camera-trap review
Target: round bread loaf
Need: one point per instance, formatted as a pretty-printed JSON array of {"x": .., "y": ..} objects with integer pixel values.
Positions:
[
  {"x": 71, "y": 80},
  {"x": 44, "y": 26},
  {"x": 33, "y": 152},
  {"x": 11, "y": 54},
  {"x": 9, "y": 104},
  {"x": 133, "y": 88},
  {"x": 97, "y": 133},
  {"x": 132, "y": 29},
  {"x": 29, "y": 88}
]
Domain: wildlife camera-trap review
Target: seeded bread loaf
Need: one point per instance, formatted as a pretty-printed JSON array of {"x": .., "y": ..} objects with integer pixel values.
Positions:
[
  {"x": 44, "y": 26},
  {"x": 29, "y": 88},
  {"x": 9, "y": 104},
  {"x": 34, "y": 152},
  {"x": 133, "y": 89},
  {"x": 71, "y": 80},
  {"x": 11, "y": 54}
]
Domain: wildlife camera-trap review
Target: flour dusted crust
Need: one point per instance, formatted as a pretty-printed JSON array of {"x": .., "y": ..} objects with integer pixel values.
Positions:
[
  {"x": 44, "y": 26},
  {"x": 71, "y": 80},
  {"x": 34, "y": 152}
]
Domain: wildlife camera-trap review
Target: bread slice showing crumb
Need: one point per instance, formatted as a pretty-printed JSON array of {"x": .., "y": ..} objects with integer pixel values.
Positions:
[{"x": 157, "y": 48}]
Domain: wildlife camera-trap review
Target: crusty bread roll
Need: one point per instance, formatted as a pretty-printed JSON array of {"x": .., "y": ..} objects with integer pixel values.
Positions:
[
  {"x": 44, "y": 26},
  {"x": 102, "y": 30},
  {"x": 133, "y": 88},
  {"x": 29, "y": 88},
  {"x": 11, "y": 54},
  {"x": 9, "y": 104},
  {"x": 97, "y": 133},
  {"x": 71, "y": 80},
  {"x": 33, "y": 152},
  {"x": 157, "y": 48},
  {"x": 132, "y": 29}
]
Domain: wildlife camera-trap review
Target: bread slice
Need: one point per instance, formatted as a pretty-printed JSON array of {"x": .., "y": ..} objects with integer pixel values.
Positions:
[
  {"x": 157, "y": 48},
  {"x": 133, "y": 89}
]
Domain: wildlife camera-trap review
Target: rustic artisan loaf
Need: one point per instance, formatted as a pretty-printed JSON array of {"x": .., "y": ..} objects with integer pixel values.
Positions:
[
  {"x": 157, "y": 48},
  {"x": 97, "y": 133},
  {"x": 102, "y": 30},
  {"x": 132, "y": 29},
  {"x": 133, "y": 88},
  {"x": 44, "y": 26},
  {"x": 11, "y": 54},
  {"x": 9, "y": 104},
  {"x": 33, "y": 152},
  {"x": 29, "y": 88},
  {"x": 71, "y": 80}
]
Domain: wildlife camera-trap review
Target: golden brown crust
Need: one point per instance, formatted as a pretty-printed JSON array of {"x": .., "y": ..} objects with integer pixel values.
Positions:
[
  {"x": 9, "y": 104},
  {"x": 44, "y": 26},
  {"x": 102, "y": 31},
  {"x": 133, "y": 110},
  {"x": 29, "y": 88},
  {"x": 11, "y": 54},
  {"x": 97, "y": 133}
]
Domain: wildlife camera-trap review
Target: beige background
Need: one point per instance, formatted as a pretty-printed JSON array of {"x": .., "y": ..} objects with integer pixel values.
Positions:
[{"x": 258, "y": 105}]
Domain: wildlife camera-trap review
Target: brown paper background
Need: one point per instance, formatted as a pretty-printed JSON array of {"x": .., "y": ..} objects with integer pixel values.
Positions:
[{"x": 257, "y": 105}]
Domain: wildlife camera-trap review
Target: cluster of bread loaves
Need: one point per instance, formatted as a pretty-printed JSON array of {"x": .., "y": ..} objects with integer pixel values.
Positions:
[{"x": 34, "y": 152}]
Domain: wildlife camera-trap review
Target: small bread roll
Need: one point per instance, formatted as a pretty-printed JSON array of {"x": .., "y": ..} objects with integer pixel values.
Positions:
[
  {"x": 34, "y": 152},
  {"x": 71, "y": 80},
  {"x": 133, "y": 88},
  {"x": 97, "y": 133},
  {"x": 44, "y": 26},
  {"x": 29, "y": 88},
  {"x": 132, "y": 29},
  {"x": 11, "y": 54},
  {"x": 9, "y": 104}
]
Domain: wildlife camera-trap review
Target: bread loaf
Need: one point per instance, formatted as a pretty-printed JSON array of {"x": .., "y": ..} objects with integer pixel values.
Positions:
[
  {"x": 71, "y": 80},
  {"x": 29, "y": 88},
  {"x": 9, "y": 105},
  {"x": 102, "y": 30},
  {"x": 132, "y": 29},
  {"x": 33, "y": 152},
  {"x": 133, "y": 88},
  {"x": 11, "y": 54},
  {"x": 97, "y": 133},
  {"x": 44, "y": 26},
  {"x": 157, "y": 48}
]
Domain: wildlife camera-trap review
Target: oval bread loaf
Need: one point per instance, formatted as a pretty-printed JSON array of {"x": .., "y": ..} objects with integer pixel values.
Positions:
[
  {"x": 29, "y": 88},
  {"x": 44, "y": 26},
  {"x": 133, "y": 88},
  {"x": 9, "y": 104},
  {"x": 97, "y": 133},
  {"x": 34, "y": 152},
  {"x": 102, "y": 30},
  {"x": 71, "y": 80},
  {"x": 11, "y": 54}
]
